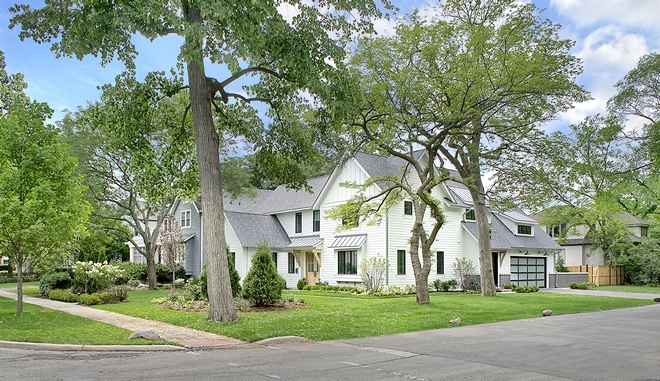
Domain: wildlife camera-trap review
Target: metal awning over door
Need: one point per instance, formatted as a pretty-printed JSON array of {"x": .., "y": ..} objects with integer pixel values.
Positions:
[{"x": 348, "y": 241}]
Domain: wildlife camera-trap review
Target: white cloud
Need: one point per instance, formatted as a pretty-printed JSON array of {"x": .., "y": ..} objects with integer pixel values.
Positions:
[{"x": 636, "y": 14}]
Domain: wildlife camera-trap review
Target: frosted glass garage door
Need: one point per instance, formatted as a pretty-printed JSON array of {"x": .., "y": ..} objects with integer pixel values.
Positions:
[{"x": 527, "y": 271}]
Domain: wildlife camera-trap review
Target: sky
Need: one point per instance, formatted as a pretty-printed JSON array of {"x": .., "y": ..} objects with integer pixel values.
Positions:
[{"x": 610, "y": 37}]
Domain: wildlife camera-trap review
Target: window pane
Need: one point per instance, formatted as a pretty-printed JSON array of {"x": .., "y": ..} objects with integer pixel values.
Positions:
[
  {"x": 440, "y": 262},
  {"x": 401, "y": 262},
  {"x": 408, "y": 208},
  {"x": 298, "y": 222},
  {"x": 316, "y": 220},
  {"x": 291, "y": 264}
]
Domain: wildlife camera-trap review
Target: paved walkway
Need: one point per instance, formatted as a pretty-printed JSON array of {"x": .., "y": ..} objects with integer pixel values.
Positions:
[{"x": 189, "y": 338}]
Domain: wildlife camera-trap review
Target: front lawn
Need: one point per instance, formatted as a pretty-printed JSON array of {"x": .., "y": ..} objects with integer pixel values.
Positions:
[
  {"x": 339, "y": 316},
  {"x": 29, "y": 288},
  {"x": 631, "y": 288},
  {"x": 44, "y": 325}
]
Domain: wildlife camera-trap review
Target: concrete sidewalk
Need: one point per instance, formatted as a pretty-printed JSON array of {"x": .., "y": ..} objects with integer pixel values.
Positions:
[
  {"x": 615, "y": 294},
  {"x": 189, "y": 338}
]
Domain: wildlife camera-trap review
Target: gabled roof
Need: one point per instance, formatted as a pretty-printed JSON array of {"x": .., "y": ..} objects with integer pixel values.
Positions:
[
  {"x": 516, "y": 215},
  {"x": 502, "y": 238},
  {"x": 632, "y": 220},
  {"x": 252, "y": 229},
  {"x": 377, "y": 166},
  {"x": 284, "y": 200}
]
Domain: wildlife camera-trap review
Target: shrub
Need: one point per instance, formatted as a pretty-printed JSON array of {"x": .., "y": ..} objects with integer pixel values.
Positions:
[
  {"x": 54, "y": 280},
  {"x": 63, "y": 296},
  {"x": 307, "y": 288},
  {"x": 586, "y": 286},
  {"x": 196, "y": 288},
  {"x": 242, "y": 304},
  {"x": 133, "y": 271},
  {"x": 301, "y": 284},
  {"x": 89, "y": 299},
  {"x": 95, "y": 276},
  {"x": 448, "y": 285},
  {"x": 527, "y": 289},
  {"x": 372, "y": 272},
  {"x": 164, "y": 274},
  {"x": 263, "y": 286},
  {"x": 115, "y": 294},
  {"x": 466, "y": 272},
  {"x": 510, "y": 287},
  {"x": 559, "y": 266},
  {"x": 573, "y": 285},
  {"x": 234, "y": 277}
]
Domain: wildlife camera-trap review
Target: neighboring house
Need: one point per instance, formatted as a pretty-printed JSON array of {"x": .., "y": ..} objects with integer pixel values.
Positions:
[
  {"x": 134, "y": 254},
  {"x": 578, "y": 246},
  {"x": 307, "y": 246}
]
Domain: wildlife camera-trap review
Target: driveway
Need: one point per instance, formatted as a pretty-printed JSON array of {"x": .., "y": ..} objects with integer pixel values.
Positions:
[{"x": 621, "y": 344}]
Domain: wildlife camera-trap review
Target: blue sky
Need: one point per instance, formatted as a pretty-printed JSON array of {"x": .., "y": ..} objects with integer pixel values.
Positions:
[{"x": 610, "y": 36}]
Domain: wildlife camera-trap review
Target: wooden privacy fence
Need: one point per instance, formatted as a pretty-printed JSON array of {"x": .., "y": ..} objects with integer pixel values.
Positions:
[{"x": 601, "y": 275}]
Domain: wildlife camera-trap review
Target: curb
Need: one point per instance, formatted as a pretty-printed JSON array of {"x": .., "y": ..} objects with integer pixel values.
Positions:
[
  {"x": 282, "y": 340},
  {"x": 90, "y": 348}
]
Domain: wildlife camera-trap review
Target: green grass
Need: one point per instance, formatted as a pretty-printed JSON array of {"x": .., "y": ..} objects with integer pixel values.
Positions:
[
  {"x": 631, "y": 288},
  {"x": 29, "y": 288},
  {"x": 43, "y": 325},
  {"x": 338, "y": 316}
]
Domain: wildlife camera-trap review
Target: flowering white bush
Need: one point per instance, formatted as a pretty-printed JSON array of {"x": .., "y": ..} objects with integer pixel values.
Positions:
[{"x": 95, "y": 276}]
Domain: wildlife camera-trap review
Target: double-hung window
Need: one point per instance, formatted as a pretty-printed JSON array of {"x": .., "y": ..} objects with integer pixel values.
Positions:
[
  {"x": 184, "y": 222},
  {"x": 291, "y": 264},
  {"x": 440, "y": 262},
  {"x": 316, "y": 226}
]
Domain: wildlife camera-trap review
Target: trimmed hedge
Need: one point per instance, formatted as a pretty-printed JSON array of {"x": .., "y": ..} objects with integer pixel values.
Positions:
[
  {"x": 345, "y": 289},
  {"x": 63, "y": 296},
  {"x": 12, "y": 279}
]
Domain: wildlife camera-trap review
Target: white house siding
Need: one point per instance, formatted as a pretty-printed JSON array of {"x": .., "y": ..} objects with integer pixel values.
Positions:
[
  {"x": 288, "y": 222},
  {"x": 240, "y": 261},
  {"x": 574, "y": 255}
]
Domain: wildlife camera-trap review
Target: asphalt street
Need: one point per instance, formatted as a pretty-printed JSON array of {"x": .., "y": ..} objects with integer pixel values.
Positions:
[{"x": 622, "y": 344}]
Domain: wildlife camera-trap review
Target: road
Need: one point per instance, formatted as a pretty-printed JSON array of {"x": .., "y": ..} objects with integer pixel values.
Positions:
[{"x": 621, "y": 344}]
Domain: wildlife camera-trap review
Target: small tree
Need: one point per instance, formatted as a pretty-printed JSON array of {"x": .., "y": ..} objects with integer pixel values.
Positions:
[
  {"x": 173, "y": 246},
  {"x": 465, "y": 272},
  {"x": 559, "y": 266},
  {"x": 263, "y": 285},
  {"x": 234, "y": 277},
  {"x": 372, "y": 271}
]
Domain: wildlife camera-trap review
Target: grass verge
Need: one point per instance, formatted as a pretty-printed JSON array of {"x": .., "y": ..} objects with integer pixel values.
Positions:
[
  {"x": 43, "y": 325},
  {"x": 29, "y": 288},
  {"x": 337, "y": 316},
  {"x": 630, "y": 288}
]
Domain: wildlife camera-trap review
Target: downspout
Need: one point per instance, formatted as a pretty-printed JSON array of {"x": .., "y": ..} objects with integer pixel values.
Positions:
[
  {"x": 387, "y": 250},
  {"x": 202, "y": 258}
]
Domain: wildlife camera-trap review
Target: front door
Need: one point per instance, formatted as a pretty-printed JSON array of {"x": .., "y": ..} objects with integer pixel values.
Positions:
[
  {"x": 312, "y": 273},
  {"x": 496, "y": 267}
]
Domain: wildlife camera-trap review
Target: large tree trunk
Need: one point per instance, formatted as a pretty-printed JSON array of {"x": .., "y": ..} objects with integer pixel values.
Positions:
[
  {"x": 420, "y": 269},
  {"x": 221, "y": 302},
  {"x": 483, "y": 233},
  {"x": 152, "y": 276}
]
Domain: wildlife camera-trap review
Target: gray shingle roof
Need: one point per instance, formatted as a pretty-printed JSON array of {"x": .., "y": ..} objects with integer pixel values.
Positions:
[
  {"x": 503, "y": 239},
  {"x": 252, "y": 229},
  {"x": 283, "y": 199},
  {"x": 247, "y": 204}
]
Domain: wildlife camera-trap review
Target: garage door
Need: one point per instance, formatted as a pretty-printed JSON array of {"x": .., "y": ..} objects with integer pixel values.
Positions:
[{"x": 528, "y": 271}]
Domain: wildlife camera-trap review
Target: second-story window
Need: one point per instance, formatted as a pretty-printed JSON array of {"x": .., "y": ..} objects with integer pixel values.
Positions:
[
  {"x": 316, "y": 226},
  {"x": 470, "y": 216},
  {"x": 185, "y": 219},
  {"x": 408, "y": 208},
  {"x": 299, "y": 222},
  {"x": 644, "y": 231}
]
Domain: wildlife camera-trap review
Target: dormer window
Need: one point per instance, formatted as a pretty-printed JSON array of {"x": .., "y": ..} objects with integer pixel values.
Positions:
[
  {"x": 525, "y": 229},
  {"x": 470, "y": 215},
  {"x": 644, "y": 231},
  {"x": 557, "y": 230}
]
